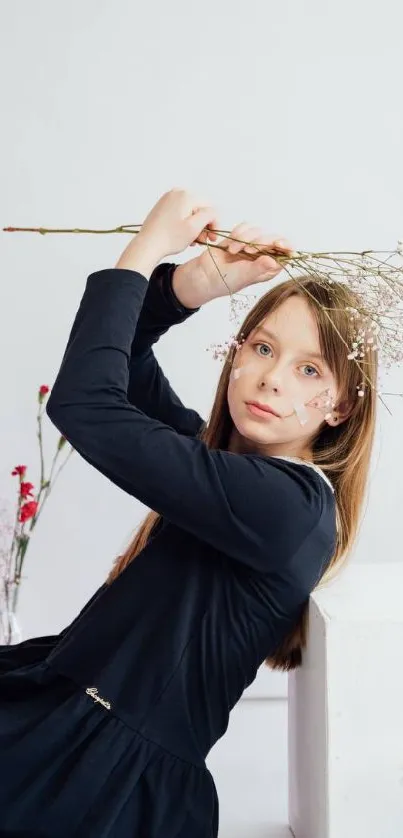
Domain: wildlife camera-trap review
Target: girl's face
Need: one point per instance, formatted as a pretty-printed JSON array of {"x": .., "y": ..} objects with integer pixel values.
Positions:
[{"x": 284, "y": 370}]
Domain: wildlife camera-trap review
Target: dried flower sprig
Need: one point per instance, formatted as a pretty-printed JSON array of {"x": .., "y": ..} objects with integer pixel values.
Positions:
[
  {"x": 376, "y": 277},
  {"x": 29, "y": 508},
  {"x": 377, "y": 281}
]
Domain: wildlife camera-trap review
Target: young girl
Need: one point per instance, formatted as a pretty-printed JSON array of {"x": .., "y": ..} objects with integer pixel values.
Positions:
[{"x": 105, "y": 728}]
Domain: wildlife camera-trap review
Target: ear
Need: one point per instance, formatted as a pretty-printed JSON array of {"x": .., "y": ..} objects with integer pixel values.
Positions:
[{"x": 339, "y": 414}]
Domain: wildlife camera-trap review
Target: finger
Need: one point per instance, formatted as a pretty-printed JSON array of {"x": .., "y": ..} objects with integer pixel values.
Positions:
[
  {"x": 281, "y": 244},
  {"x": 213, "y": 236},
  {"x": 208, "y": 234},
  {"x": 267, "y": 243},
  {"x": 275, "y": 242},
  {"x": 201, "y": 238},
  {"x": 257, "y": 239},
  {"x": 240, "y": 232}
]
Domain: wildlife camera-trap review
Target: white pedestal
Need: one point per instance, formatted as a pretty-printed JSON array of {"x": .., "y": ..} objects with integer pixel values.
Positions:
[{"x": 345, "y": 709}]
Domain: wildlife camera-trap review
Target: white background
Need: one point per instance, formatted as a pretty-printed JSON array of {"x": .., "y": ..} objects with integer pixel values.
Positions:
[{"x": 285, "y": 114}]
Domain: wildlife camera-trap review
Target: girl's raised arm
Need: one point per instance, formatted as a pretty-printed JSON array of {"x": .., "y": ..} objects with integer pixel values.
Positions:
[
  {"x": 148, "y": 387},
  {"x": 255, "y": 509}
]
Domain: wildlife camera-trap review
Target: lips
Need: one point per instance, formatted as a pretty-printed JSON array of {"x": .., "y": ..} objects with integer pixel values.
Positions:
[{"x": 261, "y": 409}]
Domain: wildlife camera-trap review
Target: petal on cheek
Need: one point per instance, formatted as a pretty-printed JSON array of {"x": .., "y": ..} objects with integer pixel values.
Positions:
[
  {"x": 238, "y": 371},
  {"x": 301, "y": 412}
]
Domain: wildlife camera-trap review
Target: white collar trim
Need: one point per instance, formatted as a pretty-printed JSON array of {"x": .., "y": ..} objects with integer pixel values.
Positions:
[{"x": 305, "y": 463}]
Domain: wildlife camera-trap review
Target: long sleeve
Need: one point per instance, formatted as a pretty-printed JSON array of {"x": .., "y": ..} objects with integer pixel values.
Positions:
[
  {"x": 258, "y": 510},
  {"x": 149, "y": 389}
]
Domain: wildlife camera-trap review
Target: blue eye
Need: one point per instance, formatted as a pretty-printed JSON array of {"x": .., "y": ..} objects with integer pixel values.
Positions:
[
  {"x": 308, "y": 366},
  {"x": 263, "y": 344},
  {"x": 312, "y": 368}
]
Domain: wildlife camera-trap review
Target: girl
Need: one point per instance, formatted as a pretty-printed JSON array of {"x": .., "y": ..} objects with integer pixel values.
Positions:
[{"x": 105, "y": 728}]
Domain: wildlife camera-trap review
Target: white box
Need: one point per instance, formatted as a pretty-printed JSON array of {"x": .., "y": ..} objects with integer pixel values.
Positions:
[{"x": 345, "y": 709}]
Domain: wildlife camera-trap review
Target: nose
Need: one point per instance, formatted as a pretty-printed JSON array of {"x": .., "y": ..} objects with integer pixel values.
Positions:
[{"x": 274, "y": 376}]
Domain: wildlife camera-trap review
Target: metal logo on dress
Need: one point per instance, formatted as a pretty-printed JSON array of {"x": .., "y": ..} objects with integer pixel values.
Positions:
[{"x": 93, "y": 692}]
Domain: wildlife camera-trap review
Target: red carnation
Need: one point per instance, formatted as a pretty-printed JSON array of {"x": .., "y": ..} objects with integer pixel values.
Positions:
[
  {"x": 19, "y": 470},
  {"x": 28, "y": 507},
  {"x": 28, "y": 510},
  {"x": 42, "y": 392},
  {"x": 26, "y": 489}
]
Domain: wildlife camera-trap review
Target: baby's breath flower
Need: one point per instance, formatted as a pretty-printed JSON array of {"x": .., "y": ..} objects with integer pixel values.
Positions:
[{"x": 376, "y": 278}]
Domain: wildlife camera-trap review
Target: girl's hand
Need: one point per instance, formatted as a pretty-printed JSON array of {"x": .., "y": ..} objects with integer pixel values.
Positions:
[
  {"x": 176, "y": 220},
  {"x": 234, "y": 262}
]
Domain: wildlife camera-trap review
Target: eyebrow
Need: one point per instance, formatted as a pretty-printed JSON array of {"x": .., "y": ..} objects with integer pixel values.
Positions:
[{"x": 317, "y": 355}]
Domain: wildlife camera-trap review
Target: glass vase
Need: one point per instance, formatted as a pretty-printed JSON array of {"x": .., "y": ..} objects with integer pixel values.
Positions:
[{"x": 10, "y": 629}]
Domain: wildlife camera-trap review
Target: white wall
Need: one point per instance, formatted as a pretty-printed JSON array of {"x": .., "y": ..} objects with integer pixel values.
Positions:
[{"x": 287, "y": 114}]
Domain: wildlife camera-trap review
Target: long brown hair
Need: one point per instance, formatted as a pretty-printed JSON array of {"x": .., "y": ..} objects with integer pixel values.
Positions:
[{"x": 343, "y": 452}]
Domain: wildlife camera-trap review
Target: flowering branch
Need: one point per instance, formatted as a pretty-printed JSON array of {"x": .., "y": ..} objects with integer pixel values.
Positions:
[
  {"x": 378, "y": 285},
  {"x": 373, "y": 275},
  {"x": 28, "y": 511}
]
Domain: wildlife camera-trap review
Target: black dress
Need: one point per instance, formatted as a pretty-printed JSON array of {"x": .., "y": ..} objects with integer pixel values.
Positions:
[{"x": 105, "y": 727}]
